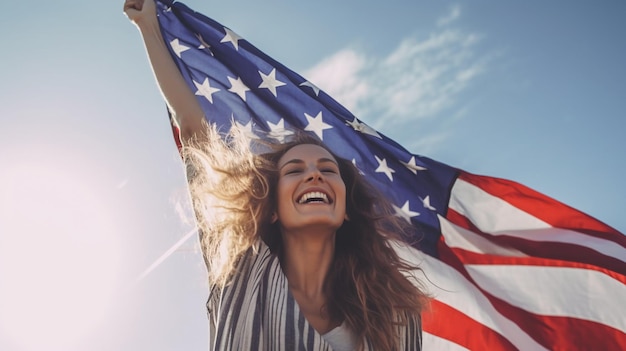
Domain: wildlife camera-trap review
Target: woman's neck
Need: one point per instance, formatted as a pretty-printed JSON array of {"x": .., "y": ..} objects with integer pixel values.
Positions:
[{"x": 306, "y": 260}]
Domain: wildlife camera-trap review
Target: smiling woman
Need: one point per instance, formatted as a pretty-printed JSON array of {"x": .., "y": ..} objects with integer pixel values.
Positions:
[
  {"x": 59, "y": 254},
  {"x": 294, "y": 237}
]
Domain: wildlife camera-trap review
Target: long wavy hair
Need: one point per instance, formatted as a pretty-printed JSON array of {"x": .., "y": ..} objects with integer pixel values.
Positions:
[{"x": 233, "y": 183}]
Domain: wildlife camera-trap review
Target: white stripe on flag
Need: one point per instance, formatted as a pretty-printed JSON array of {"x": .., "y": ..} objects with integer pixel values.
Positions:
[
  {"x": 458, "y": 237},
  {"x": 433, "y": 342},
  {"x": 553, "y": 291},
  {"x": 496, "y": 216}
]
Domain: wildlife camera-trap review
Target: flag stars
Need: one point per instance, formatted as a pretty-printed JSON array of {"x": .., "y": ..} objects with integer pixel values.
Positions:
[
  {"x": 178, "y": 47},
  {"x": 357, "y": 167},
  {"x": 270, "y": 82},
  {"x": 412, "y": 166},
  {"x": 405, "y": 212},
  {"x": 316, "y": 90},
  {"x": 426, "y": 203},
  {"x": 231, "y": 37},
  {"x": 245, "y": 129},
  {"x": 383, "y": 168},
  {"x": 238, "y": 87},
  {"x": 278, "y": 131},
  {"x": 205, "y": 89},
  {"x": 316, "y": 125},
  {"x": 363, "y": 128}
]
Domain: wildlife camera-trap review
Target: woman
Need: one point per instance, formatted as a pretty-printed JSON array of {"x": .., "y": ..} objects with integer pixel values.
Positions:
[{"x": 298, "y": 246}]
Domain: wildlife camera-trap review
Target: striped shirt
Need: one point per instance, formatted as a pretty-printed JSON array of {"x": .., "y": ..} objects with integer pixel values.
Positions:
[{"x": 256, "y": 311}]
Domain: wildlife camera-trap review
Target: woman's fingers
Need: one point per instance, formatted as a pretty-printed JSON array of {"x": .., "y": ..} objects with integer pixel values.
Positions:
[
  {"x": 132, "y": 7},
  {"x": 139, "y": 11}
]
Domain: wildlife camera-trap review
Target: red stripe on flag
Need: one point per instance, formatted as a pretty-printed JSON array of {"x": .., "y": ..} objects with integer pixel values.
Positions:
[
  {"x": 176, "y": 133},
  {"x": 451, "y": 324},
  {"x": 576, "y": 334}
]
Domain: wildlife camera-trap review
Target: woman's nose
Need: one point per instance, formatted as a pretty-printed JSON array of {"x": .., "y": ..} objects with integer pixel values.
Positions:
[{"x": 313, "y": 173}]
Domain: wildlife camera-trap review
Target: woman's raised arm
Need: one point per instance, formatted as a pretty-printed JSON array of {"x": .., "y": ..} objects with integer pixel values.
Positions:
[{"x": 178, "y": 96}]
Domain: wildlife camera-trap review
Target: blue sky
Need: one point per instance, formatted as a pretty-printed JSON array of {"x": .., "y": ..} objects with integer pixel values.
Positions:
[{"x": 92, "y": 190}]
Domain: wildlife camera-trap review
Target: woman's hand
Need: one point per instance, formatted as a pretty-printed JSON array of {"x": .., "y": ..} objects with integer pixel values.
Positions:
[{"x": 140, "y": 11}]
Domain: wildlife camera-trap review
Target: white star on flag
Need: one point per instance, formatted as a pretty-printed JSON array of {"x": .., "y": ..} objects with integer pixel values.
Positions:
[
  {"x": 238, "y": 87},
  {"x": 383, "y": 168},
  {"x": 363, "y": 128},
  {"x": 245, "y": 129},
  {"x": 231, "y": 37},
  {"x": 412, "y": 166},
  {"x": 357, "y": 167},
  {"x": 178, "y": 47},
  {"x": 316, "y": 125},
  {"x": 278, "y": 130},
  {"x": 405, "y": 212},
  {"x": 426, "y": 203},
  {"x": 205, "y": 89},
  {"x": 270, "y": 82},
  {"x": 316, "y": 90}
]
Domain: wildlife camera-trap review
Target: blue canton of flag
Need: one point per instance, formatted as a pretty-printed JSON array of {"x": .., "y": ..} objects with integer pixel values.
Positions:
[{"x": 237, "y": 82}]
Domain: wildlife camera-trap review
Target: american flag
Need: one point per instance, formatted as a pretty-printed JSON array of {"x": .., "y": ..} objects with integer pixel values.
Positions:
[{"x": 511, "y": 269}]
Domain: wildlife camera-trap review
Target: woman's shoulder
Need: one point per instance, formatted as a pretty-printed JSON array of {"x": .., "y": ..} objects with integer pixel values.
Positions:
[
  {"x": 256, "y": 285},
  {"x": 256, "y": 259},
  {"x": 257, "y": 265}
]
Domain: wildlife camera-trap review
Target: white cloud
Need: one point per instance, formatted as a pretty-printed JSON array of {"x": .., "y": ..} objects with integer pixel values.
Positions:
[
  {"x": 421, "y": 78},
  {"x": 453, "y": 15},
  {"x": 339, "y": 76}
]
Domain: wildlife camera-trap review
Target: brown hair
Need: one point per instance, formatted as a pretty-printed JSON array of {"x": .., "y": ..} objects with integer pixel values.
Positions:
[{"x": 367, "y": 286}]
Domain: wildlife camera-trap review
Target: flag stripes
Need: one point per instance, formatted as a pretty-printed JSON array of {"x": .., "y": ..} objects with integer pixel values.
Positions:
[{"x": 541, "y": 277}]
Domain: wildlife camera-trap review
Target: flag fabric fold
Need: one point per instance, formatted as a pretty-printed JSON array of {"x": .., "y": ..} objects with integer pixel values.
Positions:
[{"x": 511, "y": 269}]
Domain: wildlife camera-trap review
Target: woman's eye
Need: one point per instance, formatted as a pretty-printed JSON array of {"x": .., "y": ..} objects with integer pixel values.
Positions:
[
  {"x": 329, "y": 170},
  {"x": 292, "y": 171}
]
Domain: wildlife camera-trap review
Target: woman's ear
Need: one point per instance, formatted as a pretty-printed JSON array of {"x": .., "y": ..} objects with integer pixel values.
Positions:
[
  {"x": 274, "y": 218},
  {"x": 346, "y": 217}
]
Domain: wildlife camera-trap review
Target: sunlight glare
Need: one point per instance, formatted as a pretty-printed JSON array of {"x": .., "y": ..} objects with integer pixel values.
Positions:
[{"x": 59, "y": 254}]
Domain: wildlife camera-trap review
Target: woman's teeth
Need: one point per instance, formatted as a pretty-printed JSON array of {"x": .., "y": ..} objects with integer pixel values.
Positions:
[{"x": 314, "y": 196}]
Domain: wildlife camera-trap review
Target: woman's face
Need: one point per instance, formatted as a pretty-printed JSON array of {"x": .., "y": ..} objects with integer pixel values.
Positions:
[{"x": 310, "y": 190}]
